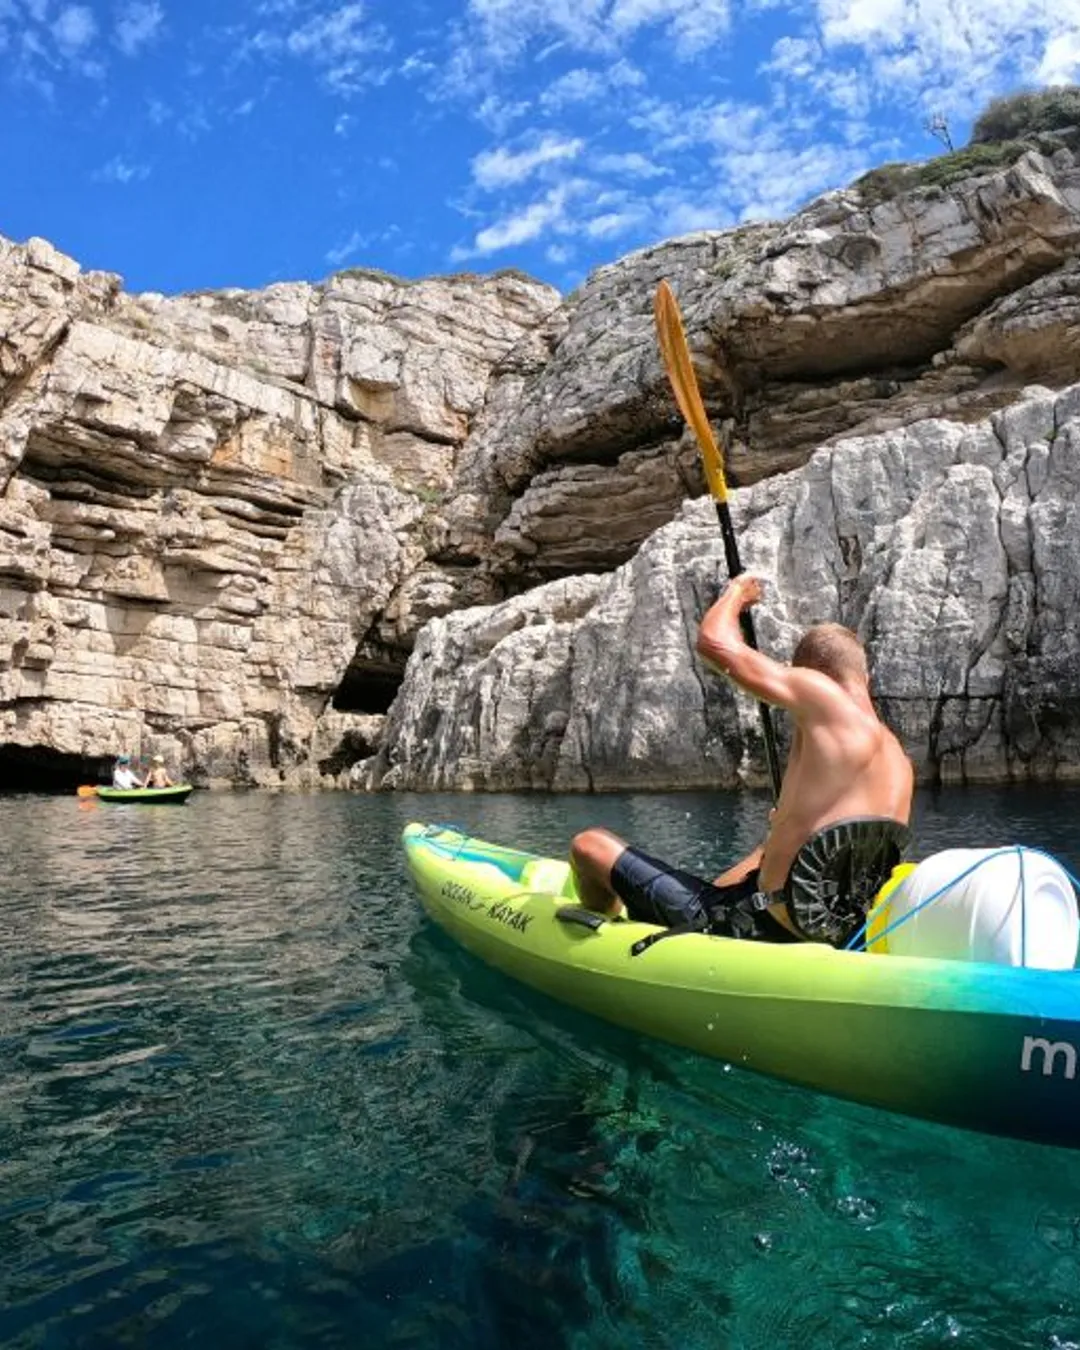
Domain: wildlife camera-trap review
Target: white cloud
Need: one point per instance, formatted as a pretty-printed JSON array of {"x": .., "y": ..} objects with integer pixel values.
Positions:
[
  {"x": 771, "y": 184},
  {"x": 576, "y": 207},
  {"x": 139, "y": 22},
  {"x": 119, "y": 170},
  {"x": 630, "y": 164},
  {"x": 612, "y": 223},
  {"x": 584, "y": 85},
  {"x": 497, "y": 114},
  {"x": 508, "y": 27},
  {"x": 338, "y": 41},
  {"x": 960, "y": 51},
  {"x": 520, "y": 227},
  {"x": 332, "y": 36},
  {"x": 686, "y": 212},
  {"x": 878, "y": 23},
  {"x": 728, "y": 161},
  {"x": 794, "y": 58},
  {"x": 576, "y": 86},
  {"x": 346, "y": 249},
  {"x": 500, "y": 167},
  {"x": 695, "y": 25},
  {"x": 547, "y": 214},
  {"x": 74, "y": 28},
  {"x": 418, "y": 66},
  {"x": 668, "y": 125},
  {"x": 1060, "y": 62},
  {"x": 849, "y": 91}
]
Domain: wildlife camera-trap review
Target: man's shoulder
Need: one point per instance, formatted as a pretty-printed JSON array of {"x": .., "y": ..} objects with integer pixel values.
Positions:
[{"x": 819, "y": 697}]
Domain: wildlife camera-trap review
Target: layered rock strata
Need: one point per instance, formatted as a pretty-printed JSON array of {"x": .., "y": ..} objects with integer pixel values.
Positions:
[
  {"x": 226, "y": 517},
  {"x": 214, "y": 507},
  {"x": 951, "y": 549}
]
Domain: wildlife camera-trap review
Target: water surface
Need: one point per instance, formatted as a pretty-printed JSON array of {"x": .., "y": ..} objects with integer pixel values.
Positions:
[{"x": 250, "y": 1097}]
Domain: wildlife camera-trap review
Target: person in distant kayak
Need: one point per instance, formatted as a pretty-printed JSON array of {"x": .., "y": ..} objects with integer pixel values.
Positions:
[
  {"x": 158, "y": 777},
  {"x": 839, "y": 826},
  {"x": 123, "y": 775}
]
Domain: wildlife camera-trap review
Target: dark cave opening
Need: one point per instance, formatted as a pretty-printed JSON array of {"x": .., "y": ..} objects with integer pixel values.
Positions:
[
  {"x": 38, "y": 768},
  {"x": 370, "y": 688}
]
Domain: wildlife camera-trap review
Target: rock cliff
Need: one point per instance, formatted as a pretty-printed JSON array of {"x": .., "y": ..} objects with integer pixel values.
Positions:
[
  {"x": 949, "y": 548},
  {"x": 232, "y": 524}
]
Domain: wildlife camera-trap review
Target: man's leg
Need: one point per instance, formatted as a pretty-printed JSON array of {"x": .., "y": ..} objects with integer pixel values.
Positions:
[
  {"x": 593, "y": 853},
  {"x": 741, "y": 870}
]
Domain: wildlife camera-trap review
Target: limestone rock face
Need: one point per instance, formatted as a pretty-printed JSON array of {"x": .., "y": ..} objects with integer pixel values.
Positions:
[
  {"x": 950, "y": 549},
  {"x": 227, "y": 519},
  {"x": 211, "y": 508},
  {"x": 851, "y": 317}
]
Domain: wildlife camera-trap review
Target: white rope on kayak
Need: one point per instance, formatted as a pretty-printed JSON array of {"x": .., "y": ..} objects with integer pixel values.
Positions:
[{"x": 857, "y": 942}]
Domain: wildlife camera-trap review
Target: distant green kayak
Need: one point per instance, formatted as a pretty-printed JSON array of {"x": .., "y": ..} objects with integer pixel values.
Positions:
[{"x": 147, "y": 796}]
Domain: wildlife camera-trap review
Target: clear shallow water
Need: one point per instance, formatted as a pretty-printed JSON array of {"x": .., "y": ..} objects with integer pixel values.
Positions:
[{"x": 250, "y": 1097}]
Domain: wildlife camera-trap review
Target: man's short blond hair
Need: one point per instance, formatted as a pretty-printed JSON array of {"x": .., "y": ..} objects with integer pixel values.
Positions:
[{"x": 834, "y": 650}]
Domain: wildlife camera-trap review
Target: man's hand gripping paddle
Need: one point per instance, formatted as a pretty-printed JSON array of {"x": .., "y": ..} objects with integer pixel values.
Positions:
[{"x": 676, "y": 354}]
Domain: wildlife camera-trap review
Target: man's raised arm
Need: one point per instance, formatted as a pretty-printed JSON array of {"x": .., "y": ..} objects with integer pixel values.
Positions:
[{"x": 721, "y": 645}]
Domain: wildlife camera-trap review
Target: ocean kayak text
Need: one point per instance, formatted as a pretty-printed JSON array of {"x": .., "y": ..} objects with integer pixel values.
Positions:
[{"x": 498, "y": 910}]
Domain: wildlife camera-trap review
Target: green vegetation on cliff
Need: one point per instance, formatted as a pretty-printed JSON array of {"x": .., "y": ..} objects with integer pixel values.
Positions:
[
  {"x": 1003, "y": 132},
  {"x": 1005, "y": 119}
]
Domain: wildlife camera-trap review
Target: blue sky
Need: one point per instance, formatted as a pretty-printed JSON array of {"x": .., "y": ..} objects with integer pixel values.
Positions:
[{"x": 193, "y": 144}]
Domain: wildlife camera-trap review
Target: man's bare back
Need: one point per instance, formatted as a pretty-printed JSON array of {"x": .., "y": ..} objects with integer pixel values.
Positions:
[
  {"x": 834, "y": 772},
  {"x": 844, "y": 763}
]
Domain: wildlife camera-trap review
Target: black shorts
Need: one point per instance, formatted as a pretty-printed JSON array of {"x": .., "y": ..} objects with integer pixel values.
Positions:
[{"x": 654, "y": 892}]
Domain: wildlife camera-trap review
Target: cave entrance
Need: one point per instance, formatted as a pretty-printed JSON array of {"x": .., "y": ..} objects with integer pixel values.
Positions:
[
  {"x": 368, "y": 686},
  {"x": 38, "y": 768}
]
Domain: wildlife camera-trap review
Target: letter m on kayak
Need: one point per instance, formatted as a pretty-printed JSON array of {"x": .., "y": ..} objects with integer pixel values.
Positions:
[{"x": 1050, "y": 1050}]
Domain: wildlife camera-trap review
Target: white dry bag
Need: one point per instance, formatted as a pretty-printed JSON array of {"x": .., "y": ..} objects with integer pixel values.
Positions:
[{"x": 1008, "y": 906}]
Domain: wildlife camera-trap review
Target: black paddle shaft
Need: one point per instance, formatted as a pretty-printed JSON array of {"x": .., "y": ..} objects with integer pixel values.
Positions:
[{"x": 746, "y": 622}]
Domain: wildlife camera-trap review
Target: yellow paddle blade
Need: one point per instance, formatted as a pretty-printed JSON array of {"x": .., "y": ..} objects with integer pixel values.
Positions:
[
  {"x": 86, "y": 791},
  {"x": 673, "y": 348}
]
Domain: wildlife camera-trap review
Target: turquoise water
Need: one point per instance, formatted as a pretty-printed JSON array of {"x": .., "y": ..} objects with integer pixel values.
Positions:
[{"x": 250, "y": 1097}]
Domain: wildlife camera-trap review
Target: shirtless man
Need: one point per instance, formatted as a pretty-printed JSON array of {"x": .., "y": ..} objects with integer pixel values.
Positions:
[{"x": 844, "y": 763}]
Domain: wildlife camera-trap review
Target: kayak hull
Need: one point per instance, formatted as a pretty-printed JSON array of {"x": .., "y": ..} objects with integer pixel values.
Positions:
[
  {"x": 170, "y": 796},
  {"x": 984, "y": 1047}
]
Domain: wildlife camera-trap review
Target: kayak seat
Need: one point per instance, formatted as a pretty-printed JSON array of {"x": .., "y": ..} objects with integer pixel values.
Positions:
[{"x": 837, "y": 874}]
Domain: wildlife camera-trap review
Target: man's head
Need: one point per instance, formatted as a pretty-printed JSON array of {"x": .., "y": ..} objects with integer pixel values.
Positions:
[
  {"x": 158, "y": 759},
  {"x": 123, "y": 759},
  {"x": 835, "y": 651}
]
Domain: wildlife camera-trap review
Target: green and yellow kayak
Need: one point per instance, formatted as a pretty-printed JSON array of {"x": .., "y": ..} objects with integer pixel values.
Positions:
[
  {"x": 981, "y": 1046},
  {"x": 177, "y": 794}
]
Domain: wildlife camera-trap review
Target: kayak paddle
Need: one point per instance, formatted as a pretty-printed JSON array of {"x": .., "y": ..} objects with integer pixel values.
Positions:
[
  {"x": 86, "y": 791},
  {"x": 673, "y": 348}
]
